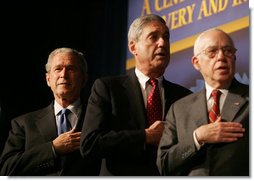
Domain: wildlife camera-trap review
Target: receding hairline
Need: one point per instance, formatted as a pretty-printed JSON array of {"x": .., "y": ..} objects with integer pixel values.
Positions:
[
  {"x": 65, "y": 50},
  {"x": 199, "y": 38},
  {"x": 139, "y": 23}
]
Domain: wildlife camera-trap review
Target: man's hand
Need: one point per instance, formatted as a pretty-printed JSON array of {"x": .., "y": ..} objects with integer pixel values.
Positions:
[
  {"x": 218, "y": 132},
  {"x": 67, "y": 142},
  {"x": 154, "y": 133}
]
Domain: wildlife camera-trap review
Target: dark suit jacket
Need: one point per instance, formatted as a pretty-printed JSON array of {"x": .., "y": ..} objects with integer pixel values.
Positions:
[
  {"x": 114, "y": 125},
  {"x": 177, "y": 154},
  {"x": 28, "y": 150}
]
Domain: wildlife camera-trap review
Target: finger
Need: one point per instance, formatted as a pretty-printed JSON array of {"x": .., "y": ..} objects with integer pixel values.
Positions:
[
  {"x": 232, "y": 135},
  {"x": 76, "y": 137},
  {"x": 71, "y": 131},
  {"x": 71, "y": 136},
  {"x": 218, "y": 119},
  {"x": 75, "y": 140},
  {"x": 153, "y": 125},
  {"x": 233, "y": 129},
  {"x": 227, "y": 140},
  {"x": 76, "y": 133},
  {"x": 230, "y": 124}
]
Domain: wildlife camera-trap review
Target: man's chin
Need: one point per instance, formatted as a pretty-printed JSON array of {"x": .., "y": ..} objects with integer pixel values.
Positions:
[
  {"x": 64, "y": 92},
  {"x": 163, "y": 63}
]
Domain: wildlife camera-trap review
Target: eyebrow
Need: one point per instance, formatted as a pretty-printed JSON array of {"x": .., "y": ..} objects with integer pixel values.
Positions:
[
  {"x": 153, "y": 32},
  {"x": 157, "y": 32}
]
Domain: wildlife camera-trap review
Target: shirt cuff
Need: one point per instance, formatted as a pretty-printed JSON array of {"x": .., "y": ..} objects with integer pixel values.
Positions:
[
  {"x": 53, "y": 150},
  {"x": 198, "y": 146}
]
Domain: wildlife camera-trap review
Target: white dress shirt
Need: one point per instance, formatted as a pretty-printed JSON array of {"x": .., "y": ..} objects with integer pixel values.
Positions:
[{"x": 73, "y": 117}]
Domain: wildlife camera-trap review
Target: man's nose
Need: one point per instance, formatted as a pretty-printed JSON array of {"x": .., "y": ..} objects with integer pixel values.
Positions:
[
  {"x": 161, "y": 42},
  {"x": 220, "y": 54}
]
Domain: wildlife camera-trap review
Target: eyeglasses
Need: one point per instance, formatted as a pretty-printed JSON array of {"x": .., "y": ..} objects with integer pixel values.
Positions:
[{"x": 212, "y": 52}]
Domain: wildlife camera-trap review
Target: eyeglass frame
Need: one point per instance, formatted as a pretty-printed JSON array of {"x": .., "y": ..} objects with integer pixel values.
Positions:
[{"x": 224, "y": 49}]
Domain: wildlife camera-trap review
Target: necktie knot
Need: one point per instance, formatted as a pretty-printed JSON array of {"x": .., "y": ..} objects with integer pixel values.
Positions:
[
  {"x": 216, "y": 94},
  {"x": 65, "y": 111},
  {"x": 153, "y": 82}
]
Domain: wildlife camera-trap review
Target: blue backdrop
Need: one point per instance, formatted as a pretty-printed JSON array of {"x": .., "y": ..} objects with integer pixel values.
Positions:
[{"x": 186, "y": 19}]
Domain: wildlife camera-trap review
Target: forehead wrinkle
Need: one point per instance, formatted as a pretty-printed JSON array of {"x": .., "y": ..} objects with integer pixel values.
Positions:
[{"x": 212, "y": 35}]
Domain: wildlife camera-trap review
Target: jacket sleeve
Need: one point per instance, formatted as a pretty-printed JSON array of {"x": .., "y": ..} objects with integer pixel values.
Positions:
[
  {"x": 176, "y": 151},
  {"x": 19, "y": 159}
]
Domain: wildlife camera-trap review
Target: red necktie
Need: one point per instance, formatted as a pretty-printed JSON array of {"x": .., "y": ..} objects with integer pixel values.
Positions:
[
  {"x": 214, "y": 113},
  {"x": 154, "y": 105}
]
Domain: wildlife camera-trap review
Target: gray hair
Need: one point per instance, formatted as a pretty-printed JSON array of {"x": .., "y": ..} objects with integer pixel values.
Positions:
[
  {"x": 79, "y": 55},
  {"x": 138, "y": 24}
]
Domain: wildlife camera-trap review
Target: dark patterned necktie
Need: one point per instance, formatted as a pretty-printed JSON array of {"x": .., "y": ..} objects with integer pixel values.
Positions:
[
  {"x": 64, "y": 124},
  {"x": 154, "y": 105},
  {"x": 214, "y": 113}
]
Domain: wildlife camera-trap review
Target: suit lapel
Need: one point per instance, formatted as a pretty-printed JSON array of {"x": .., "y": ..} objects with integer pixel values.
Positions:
[
  {"x": 81, "y": 119},
  {"x": 235, "y": 100},
  {"x": 199, "y": 107},
  {"x": 167, "y": 96},
  {"x": 46, "y": 123},
  {"x": 133, "y": 92}
]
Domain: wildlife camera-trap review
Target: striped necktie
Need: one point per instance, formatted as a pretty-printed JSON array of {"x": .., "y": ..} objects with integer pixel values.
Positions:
[{"x": 214, "y": 113}]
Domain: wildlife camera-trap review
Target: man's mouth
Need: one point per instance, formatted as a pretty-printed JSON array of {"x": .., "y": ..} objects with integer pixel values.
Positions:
[{"x": 63, "y": 83}]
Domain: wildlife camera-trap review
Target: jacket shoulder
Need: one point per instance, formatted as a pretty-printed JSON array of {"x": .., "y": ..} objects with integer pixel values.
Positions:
[
  {"x": 176, "y": 88},
  {"x": 34, "y": 114}
]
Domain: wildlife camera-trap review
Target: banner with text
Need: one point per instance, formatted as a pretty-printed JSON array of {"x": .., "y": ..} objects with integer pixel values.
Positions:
[{"x": 186, "y": 19}]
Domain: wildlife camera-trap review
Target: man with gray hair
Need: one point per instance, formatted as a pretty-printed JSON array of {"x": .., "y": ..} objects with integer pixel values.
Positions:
[
  {"x": 47, "y": 141},
  {"x": 122, "y": 126}
]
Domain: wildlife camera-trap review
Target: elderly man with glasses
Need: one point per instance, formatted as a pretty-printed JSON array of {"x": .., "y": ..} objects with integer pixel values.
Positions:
[{"x": 207, "y": 133}]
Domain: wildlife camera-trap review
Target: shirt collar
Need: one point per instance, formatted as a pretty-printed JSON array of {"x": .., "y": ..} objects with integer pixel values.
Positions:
[
  {"x": 209, "y": 90},
  {"x": 142, "y": 78},
  {"x": 74, "y": 107}
]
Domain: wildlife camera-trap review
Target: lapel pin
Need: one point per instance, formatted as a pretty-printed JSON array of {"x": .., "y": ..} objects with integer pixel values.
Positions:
[{"x": 236, "y": 103}]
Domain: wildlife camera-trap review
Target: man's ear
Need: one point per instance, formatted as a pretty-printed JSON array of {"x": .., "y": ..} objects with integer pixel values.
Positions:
[
  {"x": 132, "y": 47},
  {"x": 47, "y": 79},
  {"x": 195, "y": 62}
]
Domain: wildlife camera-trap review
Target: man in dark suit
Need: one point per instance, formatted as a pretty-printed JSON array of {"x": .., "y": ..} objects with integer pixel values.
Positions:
[
  {"x": 194, "y": 141},
  {"x": 34, "y": 146},
  {"x": 116, "y": 128}
]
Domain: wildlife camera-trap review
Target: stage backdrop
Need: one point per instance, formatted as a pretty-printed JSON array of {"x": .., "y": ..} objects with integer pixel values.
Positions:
[{"x": 186, "y": 19}]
